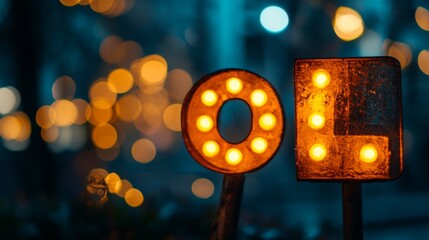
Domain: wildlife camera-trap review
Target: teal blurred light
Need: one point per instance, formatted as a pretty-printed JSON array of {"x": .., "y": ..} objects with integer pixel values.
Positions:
[{"x": 274, "y": 19}]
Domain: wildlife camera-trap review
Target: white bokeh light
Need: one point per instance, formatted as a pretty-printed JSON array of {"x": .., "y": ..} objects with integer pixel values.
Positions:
[
  {"x": 274, "y": 19},
  {"x": 9, "y": 99}
]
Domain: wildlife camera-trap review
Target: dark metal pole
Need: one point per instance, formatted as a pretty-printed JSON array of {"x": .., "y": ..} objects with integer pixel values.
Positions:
[
  {"x": 225, "y": 225},
  {"x": 352, "y": 211}
]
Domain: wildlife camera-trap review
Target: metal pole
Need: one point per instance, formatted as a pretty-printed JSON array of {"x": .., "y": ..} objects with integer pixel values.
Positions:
[
  {"x": 352, "y": 211},
  {"x": 225, "y": 225}
]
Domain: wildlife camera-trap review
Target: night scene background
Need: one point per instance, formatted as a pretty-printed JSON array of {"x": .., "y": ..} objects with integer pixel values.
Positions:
[{"x": 90, "y": 99}]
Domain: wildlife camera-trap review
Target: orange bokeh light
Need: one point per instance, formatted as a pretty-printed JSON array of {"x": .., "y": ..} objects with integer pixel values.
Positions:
[
  {"x": 66, "y": 112},
  {"x": 120, "y": 80},
  {"x": 104, "y": 136},
  {"x": 128, "y": 108},
  {"x": 101, "y": 95}
]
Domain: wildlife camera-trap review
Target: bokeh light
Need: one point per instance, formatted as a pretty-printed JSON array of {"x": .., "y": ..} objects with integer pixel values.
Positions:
[
  {"x": 126, "y": 185},
  {"x": 348, "y": 24},
  {"x": 107, "y": 48},
  {"x": 101, "y": 95},
  {"x": 45, "y": 116},
  {"x": 143, "y": 150},
  {"x": 9, "y": 99},
  {"x": 100, "y": 116},
  {"x": 423, "y": 61},
  {"x": 85, "y": 2},
  {"x": 104, "y": 136},
  {"x": 64, "y": 87},
  {"x": 69, "y": 3},
  {"x": 171, "y": 117},
  {"x": 274, "y": 19},
  {"x": 126, "y": 52},
  {"x": 153, "y": 70},
  {"x": 113, "y": 182},
  {"x": 16, "y": 126},
  {"x": 65, "y": 112},
  {"x": 402, "y": 52},
  {"x": 422, "y": 18},
  {"x": 150, "y": 120},
  {"x": 134, "y": 197},
  {"x": 49, "y": 134},
  {"x": 83, "y": 111},
  {"x": 72, "y": 138},
  {"x": 177, "y": 84},
  {"x": 101, "y": 6},
  {"x": 10, "y": 127},
  {"x": 120, "y": 80},
  {"x": 128, "y": 108},
  {"x": 202, "y": 188}
]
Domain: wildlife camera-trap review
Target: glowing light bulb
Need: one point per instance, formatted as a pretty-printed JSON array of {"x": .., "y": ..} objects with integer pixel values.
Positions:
[
  {"x": 234, "y": 85},
  {"x": 317, "y": 152},
  {"x": 368, "y": 153},
  {"x": 267, "y": 121},
  {"x": 233, "y": 156},
  {"x": 316, "y": 120},
  {"x": 259, "y": 97},
  {"x": 259, "y": 145},
  {"x": 321, "y": 78},
  {"x": 204, "y": 123},
  {"x": 210, "y": 148},
  {"x": 209, "y": 98}
]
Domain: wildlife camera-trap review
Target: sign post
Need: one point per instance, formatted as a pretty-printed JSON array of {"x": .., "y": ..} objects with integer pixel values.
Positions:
[{"x": 348, "y": 126}]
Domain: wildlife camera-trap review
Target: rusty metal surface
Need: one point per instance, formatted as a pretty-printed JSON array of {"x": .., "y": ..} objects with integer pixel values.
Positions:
[{"x": 362, "y": 104}]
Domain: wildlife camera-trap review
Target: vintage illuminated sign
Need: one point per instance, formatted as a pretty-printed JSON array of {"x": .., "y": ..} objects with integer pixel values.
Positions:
[
  {"x": 200, "y": 113},
  {"x": 348, "y": 119}
]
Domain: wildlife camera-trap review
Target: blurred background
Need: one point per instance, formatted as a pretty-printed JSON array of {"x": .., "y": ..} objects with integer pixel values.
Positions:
[{"x": 90, "y": 99}]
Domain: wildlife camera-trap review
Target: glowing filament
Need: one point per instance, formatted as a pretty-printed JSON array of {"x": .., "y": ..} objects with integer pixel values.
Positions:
[
  {"x": 267, "y": 121},
  {"x": 316, "y": 120},
  {"x": 209, "y": 98},
  {"x": 317, "y": 152},
  {"x": 204, "y": 123},
  {"x": 259, "y": 145},
  {"x": 258, "y": 97},
  {"x": 210, "y": 148},
  {"x": 233, "y": 156},
  {"x": 368, "y": 153},
  {"x": 321, "y": 78},
  {"x": 234, "y": 85}
]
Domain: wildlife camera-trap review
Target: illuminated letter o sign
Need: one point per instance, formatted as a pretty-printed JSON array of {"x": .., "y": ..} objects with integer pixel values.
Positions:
[{"x": 200, "y": 114}]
